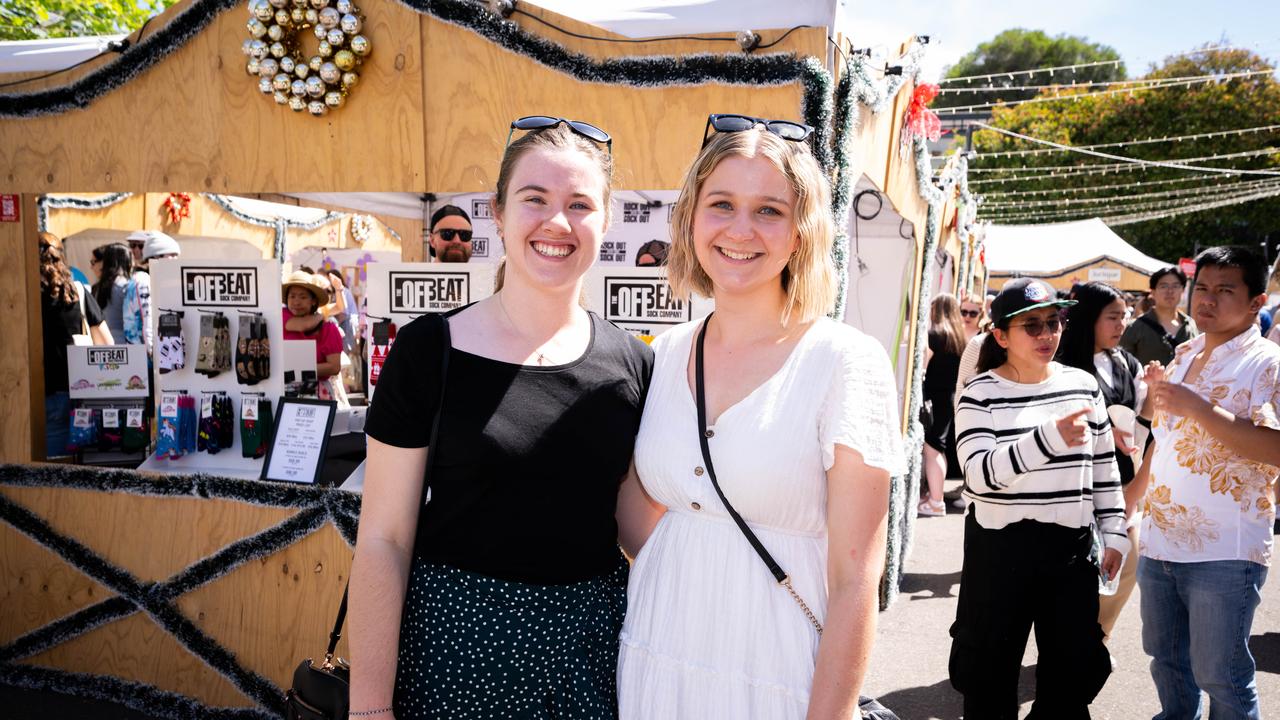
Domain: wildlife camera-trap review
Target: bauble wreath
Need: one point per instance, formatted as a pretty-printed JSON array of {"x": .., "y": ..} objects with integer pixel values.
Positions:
[
  {"x": 361, "y": 228},
  {"x": 318, "y": 83}
]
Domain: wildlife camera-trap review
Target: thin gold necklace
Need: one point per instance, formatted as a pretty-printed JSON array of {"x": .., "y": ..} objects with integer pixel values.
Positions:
[{"x": 542, "y": 359}]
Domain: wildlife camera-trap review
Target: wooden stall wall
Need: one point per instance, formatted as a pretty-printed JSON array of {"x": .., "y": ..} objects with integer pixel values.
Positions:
[
  {"x": 474, "y": 89},
  {"x": 22, "y": 403},
  {"x": 196, "y": 121},
  {"x": 269, "y": 612}
]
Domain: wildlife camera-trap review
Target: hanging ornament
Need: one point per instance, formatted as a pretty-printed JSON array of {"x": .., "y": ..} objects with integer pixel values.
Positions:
[
  {"x": 361, "y": 228},
  {"x": 921, "y": 122},
  {"x": 178, "y": 206},
  {"x": 281, "y": 69}
]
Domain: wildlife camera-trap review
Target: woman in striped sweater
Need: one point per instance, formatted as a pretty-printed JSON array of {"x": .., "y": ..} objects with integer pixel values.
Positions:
[{"x": 1040, "y": 470}]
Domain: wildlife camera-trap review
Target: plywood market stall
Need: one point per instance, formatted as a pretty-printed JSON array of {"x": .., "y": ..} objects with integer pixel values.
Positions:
[{"x": 176, "y": 112}]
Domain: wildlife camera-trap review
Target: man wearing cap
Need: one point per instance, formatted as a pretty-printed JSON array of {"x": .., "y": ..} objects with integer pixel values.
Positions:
[
  {"x": 1208, "y": 494},
  {"x": 145, "y": 245},
  {"x": 450, "y": 238}
]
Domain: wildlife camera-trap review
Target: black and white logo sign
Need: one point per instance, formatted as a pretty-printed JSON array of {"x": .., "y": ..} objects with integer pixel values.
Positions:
[
  {"x": 635, "y": 212},
  {"x": 479, "y": 247},
  {"x": 415, "y": 293},
  {"x": 612, "y": 251},
  {"x": 480, "y": 210},
  {"x": 220, "y": 287},
  {"x": 647, "y": 300},
  {"x": 108, "y": 356}
]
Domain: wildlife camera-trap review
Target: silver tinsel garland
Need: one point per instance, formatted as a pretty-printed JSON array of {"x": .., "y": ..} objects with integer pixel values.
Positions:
[{"x": 49, "y": 202}]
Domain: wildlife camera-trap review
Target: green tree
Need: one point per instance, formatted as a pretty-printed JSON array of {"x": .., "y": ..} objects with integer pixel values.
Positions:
[
  {"x": 1221, "y": 105},
  {"x": 1019, "y": 49},
  {"x": 37, "y": 19}
]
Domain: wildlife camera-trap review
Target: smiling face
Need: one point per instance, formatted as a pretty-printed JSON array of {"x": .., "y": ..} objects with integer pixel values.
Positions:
[
  {"x": 554, "y": 217},
  {"x": 1220, "y": 301},
  {"x": 1109, "y": 326},
  {"x": 743, "y": 226}
]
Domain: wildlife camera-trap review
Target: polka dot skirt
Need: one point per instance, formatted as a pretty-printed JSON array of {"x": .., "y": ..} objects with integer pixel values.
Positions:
[{"x": 475, "y": 647}]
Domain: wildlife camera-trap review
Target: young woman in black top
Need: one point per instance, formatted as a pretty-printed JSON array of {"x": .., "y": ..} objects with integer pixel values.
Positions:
[
  {"x": 1091, "y": 342},
  {"x": 946, "y": 343},
  {"x": 505, "y": 594}
]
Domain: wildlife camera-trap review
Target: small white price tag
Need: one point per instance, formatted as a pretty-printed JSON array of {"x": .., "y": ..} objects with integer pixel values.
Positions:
[
  {"x": 249, "y": 408},
  {"x": 111, "y": 418},
  {"x": 133, "y": 418},
  {"x": 169, "y": 405},
  {"x": 206, "y": 406},
  {"x": 84, "y": 418}
]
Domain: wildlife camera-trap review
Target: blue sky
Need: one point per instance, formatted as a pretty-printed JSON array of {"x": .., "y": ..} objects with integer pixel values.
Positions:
[{"x": 1142, "y": 31}]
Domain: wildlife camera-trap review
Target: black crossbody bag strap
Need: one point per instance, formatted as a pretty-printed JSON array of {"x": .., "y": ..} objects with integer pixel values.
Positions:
[
  {"x": 445, "y": 344},
  {"x": 703, "y": 434}
]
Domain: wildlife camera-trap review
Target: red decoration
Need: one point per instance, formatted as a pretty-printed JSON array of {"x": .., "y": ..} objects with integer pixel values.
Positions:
[
  {"x": 921, "y": 121},
  {"x": 178, "y": 206}
]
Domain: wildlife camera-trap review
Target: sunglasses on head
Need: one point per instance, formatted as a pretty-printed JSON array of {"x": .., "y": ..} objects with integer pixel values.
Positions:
[
  {"x": 448, "y": 234},
  {"x": 1036, "y": 328},
  {"x": 970, "y": 313},
  {"x": 542, "y": 122},
  {"x": 729, "y": 123}
]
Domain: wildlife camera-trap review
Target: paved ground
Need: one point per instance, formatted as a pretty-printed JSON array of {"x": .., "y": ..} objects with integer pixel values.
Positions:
[{"x": 909, "y": 666}]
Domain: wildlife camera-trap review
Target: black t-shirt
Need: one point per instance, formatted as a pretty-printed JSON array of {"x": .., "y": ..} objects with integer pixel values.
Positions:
[
  {"x": 60, "y": 322},
  {"x": 941, "y": 374},
  {"x": 529, "y": 458}
]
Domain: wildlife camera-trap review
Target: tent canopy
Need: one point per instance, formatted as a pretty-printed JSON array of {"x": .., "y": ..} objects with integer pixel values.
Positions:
[{"x": 1054, "y": 248}]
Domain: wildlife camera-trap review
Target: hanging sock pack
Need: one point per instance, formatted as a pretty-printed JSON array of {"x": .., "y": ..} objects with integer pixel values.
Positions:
[
  {"x": 255, "y": 426},
  {"x": 214, "y": 353},
  {"x": 215, "y": 423},
  {"x": 169, "y": 433},
  {"x": 246, "y": 366},
  {"x": 135, "y": 435},
  {"x": 253, "y": 351},
  {"x": 111, "y": 434},
  {"x": 171, "y": 348},
  {"x": 84, "y": 430},
  {"x": 384, "y": 334},
  {"x": 188, "y": 429}
]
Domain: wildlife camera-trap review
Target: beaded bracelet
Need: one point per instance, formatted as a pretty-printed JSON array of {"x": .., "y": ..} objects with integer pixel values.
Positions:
[{"x": 368, "y": 713}]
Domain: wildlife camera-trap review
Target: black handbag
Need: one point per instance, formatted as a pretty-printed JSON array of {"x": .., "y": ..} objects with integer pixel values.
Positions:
[
  {"x": 868, "y": 708},
  {"x": 321, "y": 692},
  {"x": 324, "y": 692}
]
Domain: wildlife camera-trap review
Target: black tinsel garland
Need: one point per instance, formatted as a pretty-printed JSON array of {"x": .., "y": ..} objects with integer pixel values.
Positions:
[
  {"x": 131, "y": 62},
  {"x": 153, "y": 702},
  {"x": 317, "y": 505}
]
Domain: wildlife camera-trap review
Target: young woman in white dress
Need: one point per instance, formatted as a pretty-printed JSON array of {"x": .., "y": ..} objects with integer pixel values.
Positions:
[{"x": 803, "y": 431}]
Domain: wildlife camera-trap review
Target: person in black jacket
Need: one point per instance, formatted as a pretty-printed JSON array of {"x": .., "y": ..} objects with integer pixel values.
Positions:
[{"x": 1091, "y": 342}]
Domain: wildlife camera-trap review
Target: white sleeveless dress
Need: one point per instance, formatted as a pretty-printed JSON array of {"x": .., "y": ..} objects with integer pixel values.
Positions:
[{"x": 709, "y": 633}]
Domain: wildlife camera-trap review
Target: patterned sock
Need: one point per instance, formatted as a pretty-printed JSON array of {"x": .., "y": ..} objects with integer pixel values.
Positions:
[
  {"x": 245, "y": 374},
  {"x": 170, "y": 346},
  {"x": 205, "y": 349}
]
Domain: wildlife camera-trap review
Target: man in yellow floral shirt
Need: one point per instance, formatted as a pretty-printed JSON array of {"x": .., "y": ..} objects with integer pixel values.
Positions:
[{"x": 1208, "y": 510}]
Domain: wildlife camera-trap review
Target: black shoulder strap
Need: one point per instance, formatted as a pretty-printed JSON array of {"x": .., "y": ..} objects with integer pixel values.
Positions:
[
  {"x": 703, "y": 434},
  {"x": 445, "y": 345}
]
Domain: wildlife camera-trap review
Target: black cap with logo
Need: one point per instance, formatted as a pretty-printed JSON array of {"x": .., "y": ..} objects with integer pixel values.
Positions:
[{"x": 1023, "y": 295}]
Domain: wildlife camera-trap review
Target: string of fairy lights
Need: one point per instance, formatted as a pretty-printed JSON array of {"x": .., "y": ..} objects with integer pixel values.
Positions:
[{"x": 1145, "y": 188}]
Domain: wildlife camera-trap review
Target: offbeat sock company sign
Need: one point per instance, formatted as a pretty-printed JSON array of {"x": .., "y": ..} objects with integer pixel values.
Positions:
[
  {"x": 415, "y": 293},
  {"x": 219, "y": 287}
]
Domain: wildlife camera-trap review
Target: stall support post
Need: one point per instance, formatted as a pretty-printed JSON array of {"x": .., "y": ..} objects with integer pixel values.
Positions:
[{"x": 22, "y": 402}]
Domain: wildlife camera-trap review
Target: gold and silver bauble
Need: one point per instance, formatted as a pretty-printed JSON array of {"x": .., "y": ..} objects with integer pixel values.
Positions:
[{"x": 315, "y": 82}]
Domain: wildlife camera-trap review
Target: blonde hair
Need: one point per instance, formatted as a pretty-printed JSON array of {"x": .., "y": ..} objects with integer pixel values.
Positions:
[{"x": 809, "y": 278}]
